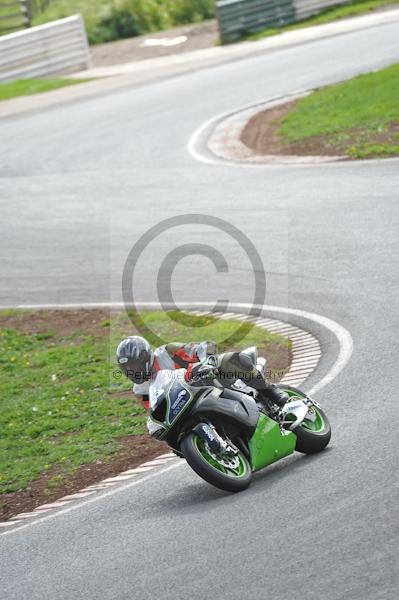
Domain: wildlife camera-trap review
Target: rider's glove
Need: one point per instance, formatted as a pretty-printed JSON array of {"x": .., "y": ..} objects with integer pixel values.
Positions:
[{"x": 201, "y": 374}]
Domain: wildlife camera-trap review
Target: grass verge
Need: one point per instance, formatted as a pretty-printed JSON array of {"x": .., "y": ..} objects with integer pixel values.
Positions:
[
  {"x": 63, "y": 403},
  {"x": 26, "y": 87},
  {"x": 352, "y": 9},
  {"x": 359, "y": 118}
]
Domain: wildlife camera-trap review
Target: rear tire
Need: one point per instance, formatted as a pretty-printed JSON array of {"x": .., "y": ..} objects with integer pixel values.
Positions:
[
  {"x": 310, "y": 441},
  {"x": 207, "y": 466}
]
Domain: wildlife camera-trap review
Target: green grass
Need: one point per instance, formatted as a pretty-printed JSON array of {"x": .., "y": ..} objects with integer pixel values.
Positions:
[
  {"x": 26, "y": 87},
  {"x": 108, "y": 20},
  {"x": 351, "y": 9},
  {"x": 62, "y": 405},
  {"x": 359, "y": 117}
]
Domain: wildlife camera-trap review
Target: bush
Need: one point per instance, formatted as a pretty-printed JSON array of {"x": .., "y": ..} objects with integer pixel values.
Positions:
[
  {"x": 128, "y": 18},
  {"x": 120, "y": 23},
  {"x": 189, "y": 11}
]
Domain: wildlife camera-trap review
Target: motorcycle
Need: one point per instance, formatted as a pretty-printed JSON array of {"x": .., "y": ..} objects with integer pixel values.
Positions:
[{"x": 223, "y": 432}]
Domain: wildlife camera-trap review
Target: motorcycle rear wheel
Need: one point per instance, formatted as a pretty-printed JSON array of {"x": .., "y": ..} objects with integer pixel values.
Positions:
[
  {"x": 313, "y": 436},
  {"x": 222, "y": 472}
]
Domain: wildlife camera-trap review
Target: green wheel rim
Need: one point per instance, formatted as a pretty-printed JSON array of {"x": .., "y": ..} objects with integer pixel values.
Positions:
[
  {"x": 231, "y": 471},
  {"x": 317, "y": 425}
]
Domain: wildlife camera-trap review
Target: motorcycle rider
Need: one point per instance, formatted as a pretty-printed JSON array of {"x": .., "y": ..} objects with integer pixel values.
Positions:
[{"x": 140, "y": 364}]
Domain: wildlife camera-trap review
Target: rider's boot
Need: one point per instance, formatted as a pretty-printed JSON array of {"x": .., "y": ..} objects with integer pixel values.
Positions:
[{"x": 272, "y": 394}]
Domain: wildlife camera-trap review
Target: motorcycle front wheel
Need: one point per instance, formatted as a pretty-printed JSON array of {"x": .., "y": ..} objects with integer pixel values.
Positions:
[{"x": 232, "y": 474}]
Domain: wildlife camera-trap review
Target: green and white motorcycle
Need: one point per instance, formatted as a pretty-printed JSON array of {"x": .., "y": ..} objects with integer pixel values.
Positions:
[{"x": 223, "y": 433}]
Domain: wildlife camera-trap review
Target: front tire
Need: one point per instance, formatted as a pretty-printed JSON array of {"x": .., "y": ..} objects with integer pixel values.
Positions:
[
  {"x": 313, "y": 436},
  {"x": 222, "y": 472}
]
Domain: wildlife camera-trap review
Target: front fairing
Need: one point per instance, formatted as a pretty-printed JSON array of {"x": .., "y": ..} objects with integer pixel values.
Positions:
[
  {"x": 170, "y": 396},
  {"x": 158, "y": 387}
]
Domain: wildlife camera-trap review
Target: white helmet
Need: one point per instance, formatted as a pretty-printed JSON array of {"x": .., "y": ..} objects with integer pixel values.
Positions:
[{"x": 135, "y": 357}]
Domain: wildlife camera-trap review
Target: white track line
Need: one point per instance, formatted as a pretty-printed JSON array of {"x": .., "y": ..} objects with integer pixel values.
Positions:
[
  {"x": 204, "y": 132},
  {"x": 95, "y": 498}
]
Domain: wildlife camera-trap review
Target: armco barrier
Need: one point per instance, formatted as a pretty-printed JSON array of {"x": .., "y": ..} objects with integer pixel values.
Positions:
[
  {"x": 54, "y": 48},
  {"x": 240, "y": 17}
]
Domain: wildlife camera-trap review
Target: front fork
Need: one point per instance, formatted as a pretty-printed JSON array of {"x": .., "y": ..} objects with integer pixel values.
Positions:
[{"x": 214, "y": 441}]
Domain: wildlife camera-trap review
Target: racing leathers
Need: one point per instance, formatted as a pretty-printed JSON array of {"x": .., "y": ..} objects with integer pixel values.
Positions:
[{"x": 174, "y": 356}]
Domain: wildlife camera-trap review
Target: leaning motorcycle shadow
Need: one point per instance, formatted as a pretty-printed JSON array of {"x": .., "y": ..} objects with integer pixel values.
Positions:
[
  {"x": 284, "y": 468},
  {"x": 199, "y": 493}
]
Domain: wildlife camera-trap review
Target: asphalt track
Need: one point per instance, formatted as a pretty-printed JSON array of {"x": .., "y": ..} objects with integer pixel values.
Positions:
[{"x": 79, "y": 185}]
